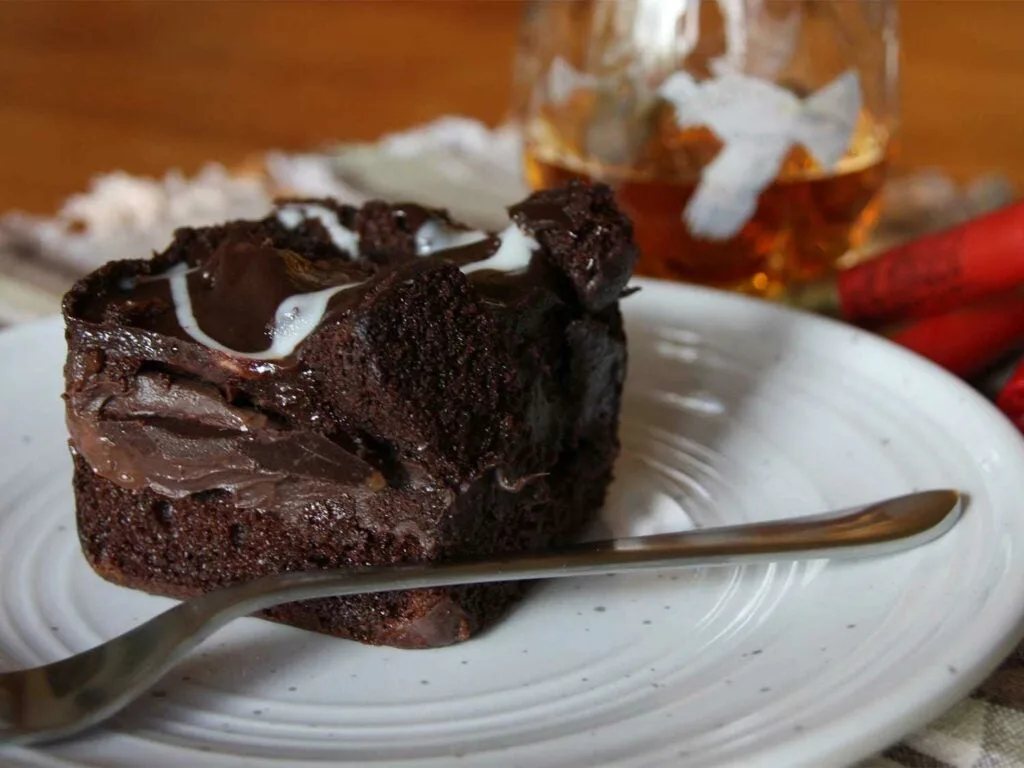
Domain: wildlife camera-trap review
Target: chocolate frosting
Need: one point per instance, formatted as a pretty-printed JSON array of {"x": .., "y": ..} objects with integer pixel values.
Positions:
[
  {"x": 239, "y": 288},
  {"x": 235, "y": 293},
  {"x": 181, "y": 437}
]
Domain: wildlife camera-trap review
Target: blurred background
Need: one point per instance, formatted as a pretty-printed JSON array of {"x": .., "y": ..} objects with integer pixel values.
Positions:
[{"x": 148, "y": 86}]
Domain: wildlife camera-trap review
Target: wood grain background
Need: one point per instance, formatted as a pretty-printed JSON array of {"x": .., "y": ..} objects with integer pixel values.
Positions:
[{"x": 87, "y": 87}]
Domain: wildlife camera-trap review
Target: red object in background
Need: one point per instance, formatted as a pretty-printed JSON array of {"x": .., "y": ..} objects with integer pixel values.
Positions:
[
  {"x": 938, "y": 272},
  {"x": 1011, "y": 397},
  {"x": 967, "y": 340}
]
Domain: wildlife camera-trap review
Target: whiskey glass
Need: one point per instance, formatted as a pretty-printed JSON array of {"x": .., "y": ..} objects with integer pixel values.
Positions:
[{"x": 748, "y": 140}]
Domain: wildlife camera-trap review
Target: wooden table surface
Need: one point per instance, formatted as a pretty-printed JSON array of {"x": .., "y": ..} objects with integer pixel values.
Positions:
[{"x": 93, "y": 87}]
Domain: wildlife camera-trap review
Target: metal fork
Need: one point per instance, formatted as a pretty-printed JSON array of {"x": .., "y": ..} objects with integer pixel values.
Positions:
[{"x": 63, "y": 698}]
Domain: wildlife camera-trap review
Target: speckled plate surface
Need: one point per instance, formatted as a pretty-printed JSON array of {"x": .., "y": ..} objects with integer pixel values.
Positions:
[{"x": 736, "y": 410}]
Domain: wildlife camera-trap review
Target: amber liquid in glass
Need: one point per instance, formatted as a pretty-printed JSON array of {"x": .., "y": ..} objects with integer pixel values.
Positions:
[{"x": 805, "y": 220}]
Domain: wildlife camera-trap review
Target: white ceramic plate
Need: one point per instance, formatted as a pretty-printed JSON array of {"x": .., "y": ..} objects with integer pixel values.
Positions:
[{"x": 736, "y": 411}]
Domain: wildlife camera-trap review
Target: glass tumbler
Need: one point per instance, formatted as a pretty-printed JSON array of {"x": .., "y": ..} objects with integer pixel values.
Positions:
[{"x": 748, "y": 140}]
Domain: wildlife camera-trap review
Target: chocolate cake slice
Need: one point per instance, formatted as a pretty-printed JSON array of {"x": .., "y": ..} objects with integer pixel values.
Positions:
[{"x": 335, "y": 387}]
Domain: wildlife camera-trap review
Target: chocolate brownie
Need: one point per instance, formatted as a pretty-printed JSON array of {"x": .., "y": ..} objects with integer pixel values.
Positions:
[{"x": 335, "y": 387}]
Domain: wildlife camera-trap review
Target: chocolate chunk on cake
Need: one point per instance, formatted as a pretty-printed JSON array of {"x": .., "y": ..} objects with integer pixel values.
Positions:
[{"x": 335, "y": 387}]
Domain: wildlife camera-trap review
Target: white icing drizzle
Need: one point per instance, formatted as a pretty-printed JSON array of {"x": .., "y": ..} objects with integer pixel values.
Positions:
[
  {"x": 434, "y": 236},
  {"x": 299, "y": 315},
  {"x": 513, "y": 255},
  {"x": 296, "y": 317},
  {"x": 293, "y": 214}
]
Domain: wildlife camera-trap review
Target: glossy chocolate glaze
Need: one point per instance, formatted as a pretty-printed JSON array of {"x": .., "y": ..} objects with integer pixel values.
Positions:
[
  {"x": 237, "y": 290},
  {"x": 179, "y": 437}
]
